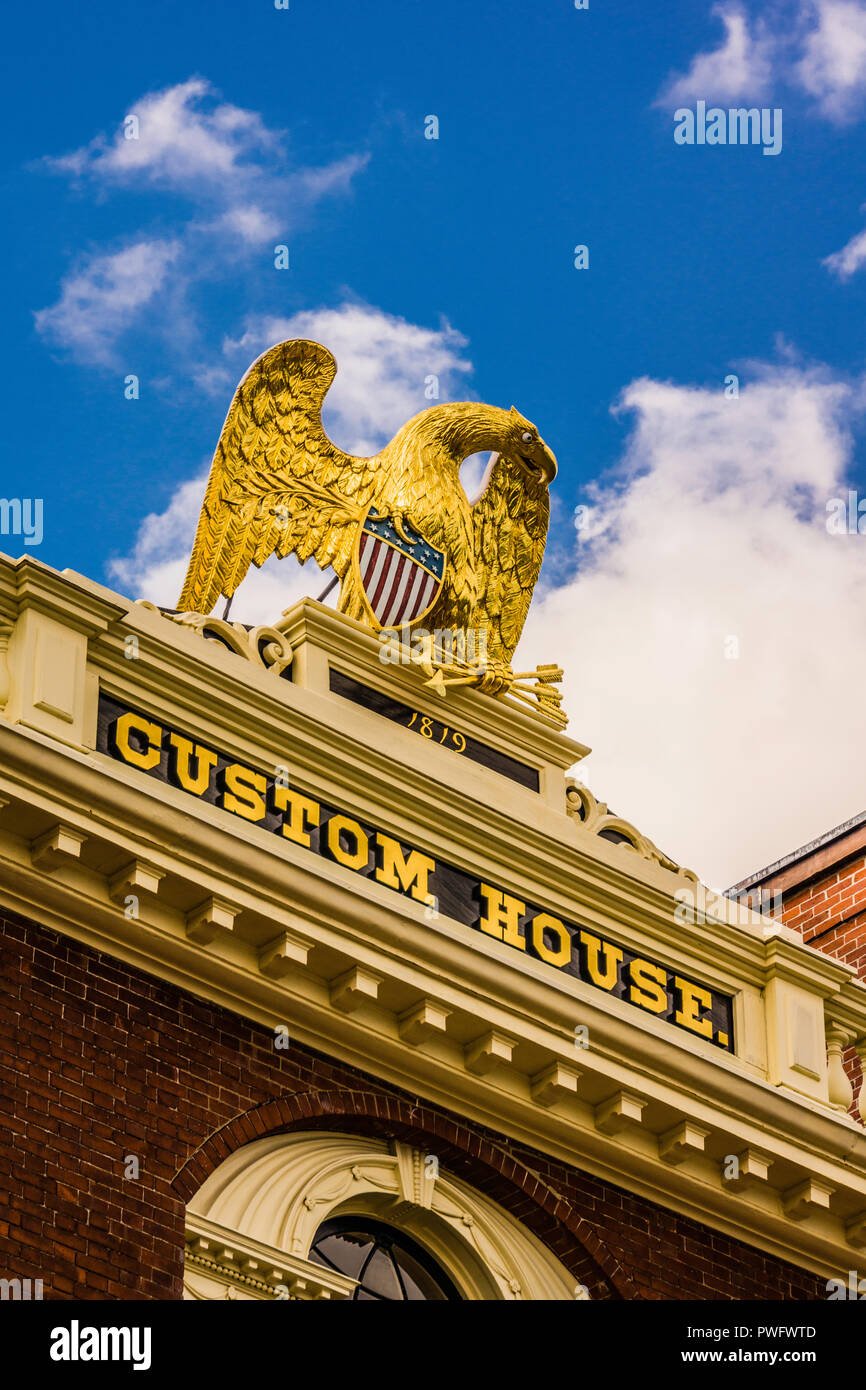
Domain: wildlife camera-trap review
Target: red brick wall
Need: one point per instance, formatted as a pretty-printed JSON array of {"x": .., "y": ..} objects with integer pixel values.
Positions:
[
  {"x": 830, "y": 912},
  {"x": 101, "y": 1061}
]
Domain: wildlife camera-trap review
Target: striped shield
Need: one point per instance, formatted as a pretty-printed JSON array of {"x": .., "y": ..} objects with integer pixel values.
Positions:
[{"x": 400, "y": 582}]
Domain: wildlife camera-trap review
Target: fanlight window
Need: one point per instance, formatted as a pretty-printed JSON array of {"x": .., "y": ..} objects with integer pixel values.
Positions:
[
  {"x": 327, "y": 1215},
  {"x": 389, "y": 1265}
]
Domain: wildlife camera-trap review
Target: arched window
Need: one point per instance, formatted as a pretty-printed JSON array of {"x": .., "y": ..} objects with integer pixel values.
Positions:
[
  {"x": 388, "y": 1265},
  {"x": 312, "y": 1215}
]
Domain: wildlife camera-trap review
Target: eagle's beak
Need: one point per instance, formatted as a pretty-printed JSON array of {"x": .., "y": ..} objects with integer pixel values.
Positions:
[
  {"x": 548, "y": 462},
  {"x": 542, "y": 465}
]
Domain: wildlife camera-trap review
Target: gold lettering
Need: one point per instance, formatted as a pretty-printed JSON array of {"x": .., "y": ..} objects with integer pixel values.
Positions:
[
  {"x": 353, "y": 859},
  {"x": 605, "y": 976},
  {"x": 501, "y": 915},
  {"x": 694, "y": 998},
  {"x": 559, "y": 955},
  {"x": 244, "y": 792},
  {"x": 647, "y": 987},
  {"x": 408, "y": 875},
  {"x": 135, "y": 724},
  {"x": 206, "y": 760},
  {"x": 303, "y": 812}
]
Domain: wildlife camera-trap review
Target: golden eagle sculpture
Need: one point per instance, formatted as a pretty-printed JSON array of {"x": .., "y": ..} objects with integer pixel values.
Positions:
[{"x": 398, "y": 528}]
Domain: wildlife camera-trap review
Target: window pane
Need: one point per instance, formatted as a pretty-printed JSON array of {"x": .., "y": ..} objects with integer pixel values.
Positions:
[
  {"x": 387, "y": 1264},
  {"x": 345, "y": 1251},
  {"x": 380, "y": 1277},
  {"x": 416, "y": 1281}
]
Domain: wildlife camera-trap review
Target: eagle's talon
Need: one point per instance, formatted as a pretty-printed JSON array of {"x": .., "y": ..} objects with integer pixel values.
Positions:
[
  {"x": 496, "y": 678},
  {"x": 397, "y": 517}
]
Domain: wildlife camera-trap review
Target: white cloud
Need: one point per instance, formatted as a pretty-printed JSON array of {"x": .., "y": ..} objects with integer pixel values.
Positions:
[
  {"x": 176, "y": 144},
  {"x": 232, "y": 170},
  {"x": 844, "y": 263},
  {"x": 330, "y": 178},
  {"x": 832, "y": 68},
  {"x": 251, "y": 224},
  {"x": 100, "y": 299},
  {"x": 383, "y": 363},
  {"x": 812, "y": 46},
  {"x": 715, "y": 528},
  {"x": 739, "y": 68}
]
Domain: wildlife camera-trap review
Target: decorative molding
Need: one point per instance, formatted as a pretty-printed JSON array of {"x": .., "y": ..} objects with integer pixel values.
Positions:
[
  {"x": 275, "y": 1193},
  {"x": 138, "y": 878},
  {"x": 619, "y": 1112},
  {"x": 422, "y": 1022},
  {"x": 220, "y": 1264},
  {"x": 753, "y": 1167},
  {"x": 354, "y": 988},
  {"x": 806, "y": 1197},
  {"x": 682, "y": 1141},
  {"x": 841, "y": 1091},
  {"x": 489, "y": 1052},
  {"x": 265, "y": 646},
  {"x": 855, "y": 1231},
  {"x": 5, "y": 676},
  {"x": 211, "y": 917},
  {"x": 60, "y": 845},
  {"x": 595, "y": 817},
  {"x": 554, "y": 1083},
  {"x": 417, "y": 1175},
  {"x": 285, "y": 952},
  {"x": 415, "y": 955}
]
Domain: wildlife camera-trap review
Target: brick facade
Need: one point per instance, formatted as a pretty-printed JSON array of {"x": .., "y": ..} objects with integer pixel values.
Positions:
[
  {"x": 830, "y": 911},
  {"x": 105, "y": 1062}
]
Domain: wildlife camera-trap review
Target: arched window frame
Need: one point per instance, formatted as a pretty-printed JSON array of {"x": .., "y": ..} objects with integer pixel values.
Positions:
[{"x": 251, "y": 1224}]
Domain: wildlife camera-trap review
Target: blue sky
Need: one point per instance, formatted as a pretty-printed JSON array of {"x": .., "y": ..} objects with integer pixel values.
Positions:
[{"x": 306, "y": 127}]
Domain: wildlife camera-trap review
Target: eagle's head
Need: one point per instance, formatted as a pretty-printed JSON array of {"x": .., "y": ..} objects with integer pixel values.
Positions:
[
  {"x": 461, "y": 428},
  {"x": 527, "y": 448}
]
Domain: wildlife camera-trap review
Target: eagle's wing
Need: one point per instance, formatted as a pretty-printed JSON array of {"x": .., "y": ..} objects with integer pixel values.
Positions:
[
  {"x": 510, "y": 524},
  {"x": 277, "y": 484}
]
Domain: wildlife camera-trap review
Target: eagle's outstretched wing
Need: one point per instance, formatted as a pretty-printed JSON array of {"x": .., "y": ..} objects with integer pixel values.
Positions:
[
  {"x": 510, "y": 523},
  {"x": 277, "y": 484}
]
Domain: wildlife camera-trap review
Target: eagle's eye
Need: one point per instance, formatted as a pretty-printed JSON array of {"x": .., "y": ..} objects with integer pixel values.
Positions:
[{"x": 527, "y": 437}]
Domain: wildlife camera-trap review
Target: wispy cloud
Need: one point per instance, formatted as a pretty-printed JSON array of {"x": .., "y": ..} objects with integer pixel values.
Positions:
[
  {"x": 740, "y": 67},
  {"x": 178, "y": 138},
  {"x": 832, "y": 68},
  {"x": 103, "y": 296},
  {"x": 811, "y": 47},
  {"x": 848, "y": 261},
  {"x": 229, "y": 169}
]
